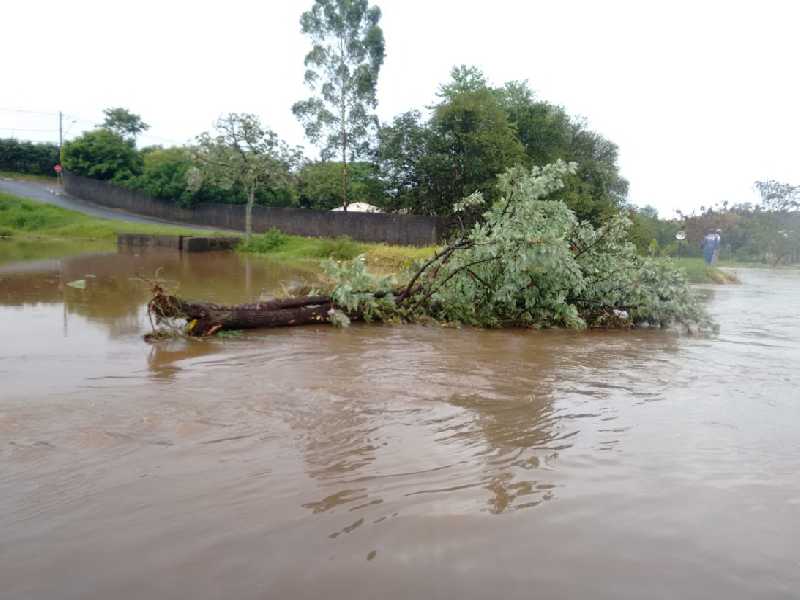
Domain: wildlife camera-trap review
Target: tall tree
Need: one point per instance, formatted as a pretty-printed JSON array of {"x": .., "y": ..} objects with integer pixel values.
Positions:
[
  {"x": 461, "y": 149},
  {"x": 778, "y": 196},
  {"x": 342, "y": 70},
  {"x": 547, "y": 132},
  {"x": 123, "y": 122},
  {"x": 243, "y": 154}
]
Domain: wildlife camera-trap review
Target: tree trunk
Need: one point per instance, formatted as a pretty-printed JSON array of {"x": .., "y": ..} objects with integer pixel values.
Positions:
[
  {"x": 345, "y": 201},
  {"x": 248, "y": 213},
  {"x": 206, "y": 318}
]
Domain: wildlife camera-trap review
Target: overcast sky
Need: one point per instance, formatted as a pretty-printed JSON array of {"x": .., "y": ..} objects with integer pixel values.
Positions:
[{"x": 700, "y": 96}]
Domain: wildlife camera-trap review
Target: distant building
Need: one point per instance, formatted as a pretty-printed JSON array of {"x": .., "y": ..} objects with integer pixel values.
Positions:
[{"x": 358, "y": 207}]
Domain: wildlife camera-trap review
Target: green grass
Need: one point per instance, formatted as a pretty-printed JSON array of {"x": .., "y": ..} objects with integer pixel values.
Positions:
[
  {"x": 52, "y": 180},
  {"x": 292, "y": 247},
  {"x": 698, "y": 272},
  {"x": 22, "y": 219}
]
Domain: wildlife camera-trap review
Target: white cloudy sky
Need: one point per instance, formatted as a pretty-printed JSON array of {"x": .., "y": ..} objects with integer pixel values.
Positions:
[{"x": 701, "y": 96}]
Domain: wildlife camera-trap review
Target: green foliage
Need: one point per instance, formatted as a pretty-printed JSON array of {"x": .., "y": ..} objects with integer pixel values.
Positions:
[
  {"x": 338, "y": 248},
  {"x": 414, "y": 176},
  {"x": 320, "y": 185},
  {"x": 697, "y": 271},
  {"x": 269, "y": 241},
  {"x": 165, "y": 172},
  {"x": 767, "y": 233},
  {"x": 123, "y": 122},
  {"x": 165, "y": 175},
  {"x": 242, "y": 155},
  {"x": 229, "y": 334},
  {"x": 28, "y": 157},
  {"x": 342, "y": 70},
  {"x": 777, "y": 196},
  {"x": 547, "y": 132},
  {"x": 530, "y": 262},
  {"x": 102, "y": 154},
  {"x": 477, "y": 132},
  {"x": 385, "y": 258},
  {"x": 359, "y": 291},
  {"x": 472, "y": 130},
  {"x": 650, "y": 234},
  {"x": 463, "y": 147}
]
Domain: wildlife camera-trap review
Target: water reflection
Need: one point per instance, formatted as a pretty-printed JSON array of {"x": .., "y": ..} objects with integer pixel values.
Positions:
[
  {"x": 163, "y": 357},
  {"x": 115, "y": 286}
]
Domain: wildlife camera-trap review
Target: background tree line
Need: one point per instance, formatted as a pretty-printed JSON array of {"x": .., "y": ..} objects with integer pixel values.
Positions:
[
  {"x": 422, "y": 162},
  {"x": 28, "y": 157},
  {"x": 767, "y": 232}
]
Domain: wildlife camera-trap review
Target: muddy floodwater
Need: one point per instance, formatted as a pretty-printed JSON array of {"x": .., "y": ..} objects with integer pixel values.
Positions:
[{"x": 388, "y": 462}]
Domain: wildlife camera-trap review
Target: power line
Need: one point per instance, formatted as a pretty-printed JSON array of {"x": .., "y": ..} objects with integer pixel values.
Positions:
[
  {"x": 73, "y": 120},
  {"x": 32, "y": 112},
  {"x": 26, "y": 129}
]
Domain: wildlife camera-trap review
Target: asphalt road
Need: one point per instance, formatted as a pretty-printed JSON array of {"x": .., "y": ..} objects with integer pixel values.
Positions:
[{"x": 52, "y": 194}]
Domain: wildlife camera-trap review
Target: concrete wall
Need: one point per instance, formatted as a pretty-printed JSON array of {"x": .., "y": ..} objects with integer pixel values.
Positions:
[
  {"x": 184, "y": 243},
  {"x": 410, "y": 230}
]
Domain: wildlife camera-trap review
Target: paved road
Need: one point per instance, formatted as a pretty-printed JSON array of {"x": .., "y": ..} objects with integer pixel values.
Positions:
[{"x": 52, "y": 194}]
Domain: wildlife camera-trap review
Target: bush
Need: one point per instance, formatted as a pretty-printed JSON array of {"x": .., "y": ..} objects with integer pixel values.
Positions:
[
  {"x": 28, "y": 157},
  {"x": 102, "y": 154},
  {"x": 269, "y": 241},
  {"x": 340, "y": 248},
  {"x": 164, "y": 175}
]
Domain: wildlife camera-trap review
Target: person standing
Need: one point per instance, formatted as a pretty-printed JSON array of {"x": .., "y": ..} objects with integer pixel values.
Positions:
[
  {"x": 709, "y": 245},
  {"x": 717, "y": 246}
]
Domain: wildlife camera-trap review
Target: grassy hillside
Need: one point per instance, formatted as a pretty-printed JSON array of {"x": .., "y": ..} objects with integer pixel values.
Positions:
[{"x": 25, "y": 219}]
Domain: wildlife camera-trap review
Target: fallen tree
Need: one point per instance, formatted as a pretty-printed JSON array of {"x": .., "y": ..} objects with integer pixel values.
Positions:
[
  {"x": 206, "y": 318},
  {"x": 527, "y": 262}
]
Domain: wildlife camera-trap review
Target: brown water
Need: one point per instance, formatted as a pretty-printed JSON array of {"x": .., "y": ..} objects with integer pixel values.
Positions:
[{"x": 389, "y": 462}]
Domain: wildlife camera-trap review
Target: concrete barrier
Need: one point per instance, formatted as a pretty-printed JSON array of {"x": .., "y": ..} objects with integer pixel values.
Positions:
[{"x": 183, "y": 243}]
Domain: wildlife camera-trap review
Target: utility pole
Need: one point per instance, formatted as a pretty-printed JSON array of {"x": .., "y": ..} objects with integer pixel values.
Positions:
[{"x": 60, "y": 143}]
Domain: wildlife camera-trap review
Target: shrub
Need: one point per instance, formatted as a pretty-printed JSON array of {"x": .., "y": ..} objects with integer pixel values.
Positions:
[
  {"x": 102, "y": 154},
  {"x": 164, "y": 175},
  {"x": 270, "y": 241},
  {"x": 340, "y": 248}
]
